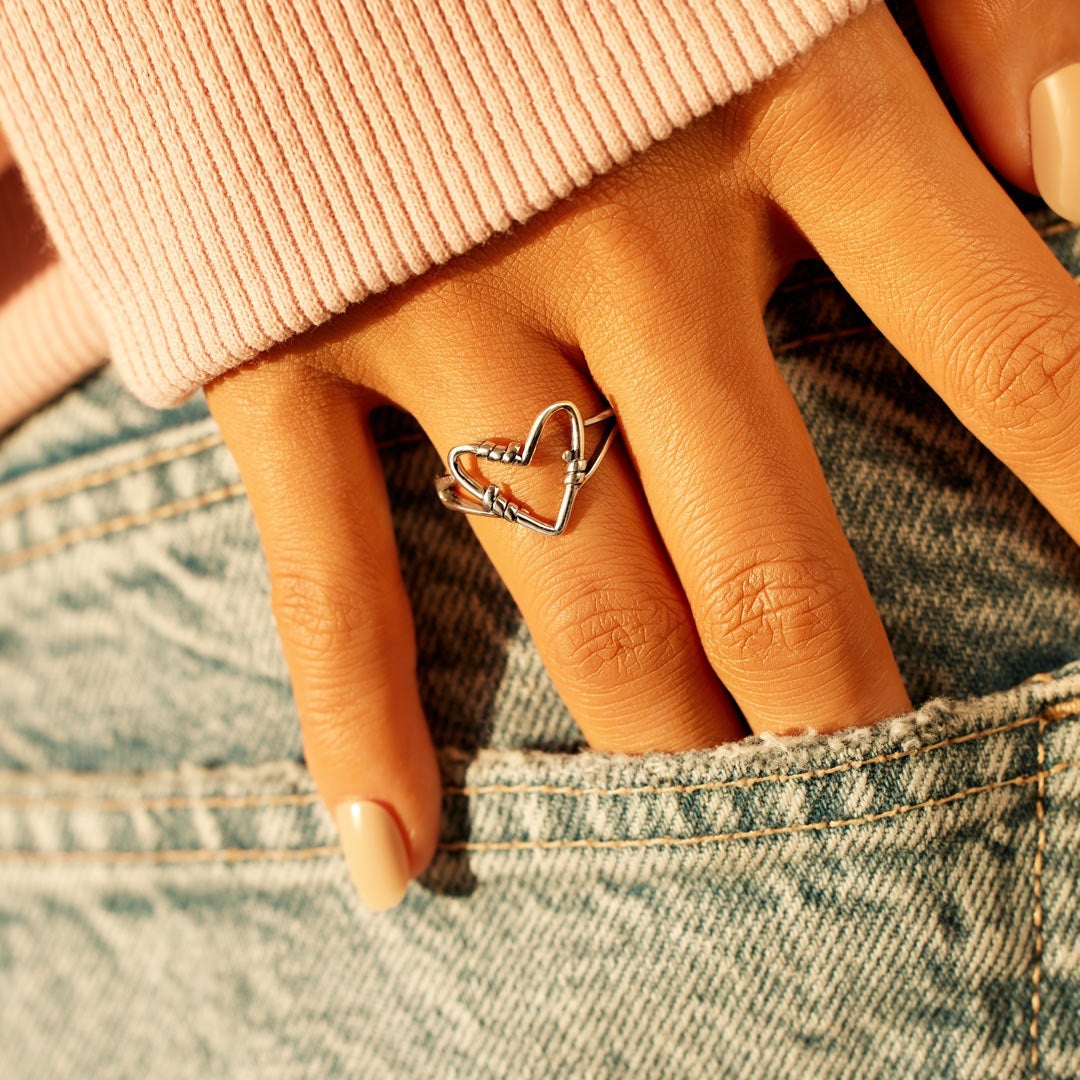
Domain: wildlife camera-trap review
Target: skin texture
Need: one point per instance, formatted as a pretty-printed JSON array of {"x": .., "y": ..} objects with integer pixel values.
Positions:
[
  {"x": 991, "y": 53},
  {"x": 704, "y": 587}
]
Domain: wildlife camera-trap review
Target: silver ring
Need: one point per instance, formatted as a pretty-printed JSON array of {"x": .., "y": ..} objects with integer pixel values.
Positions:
[{"x": 461, "y": 491}]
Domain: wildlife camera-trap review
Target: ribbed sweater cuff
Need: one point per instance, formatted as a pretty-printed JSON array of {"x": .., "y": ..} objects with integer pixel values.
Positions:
[
  {"x": 49, "y": 337},
  {"x": 221, "y": 175}
]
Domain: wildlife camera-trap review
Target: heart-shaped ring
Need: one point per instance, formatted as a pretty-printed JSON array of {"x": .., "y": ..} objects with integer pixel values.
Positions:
[{"x": 490, "y": 502}]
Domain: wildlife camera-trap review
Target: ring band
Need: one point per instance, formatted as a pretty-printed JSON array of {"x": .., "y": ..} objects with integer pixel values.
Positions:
[{"x": 461, "y": 491}]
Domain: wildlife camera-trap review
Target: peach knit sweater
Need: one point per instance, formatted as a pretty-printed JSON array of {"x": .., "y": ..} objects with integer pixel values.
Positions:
[{"x": 186, "y": 183}]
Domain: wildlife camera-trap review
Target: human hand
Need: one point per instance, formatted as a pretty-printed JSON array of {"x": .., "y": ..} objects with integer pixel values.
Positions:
[
  {"x": 992, "y": 54},
  {"x": 704, "y": 579}
]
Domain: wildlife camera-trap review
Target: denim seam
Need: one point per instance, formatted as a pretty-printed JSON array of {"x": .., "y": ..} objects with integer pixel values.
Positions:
[
  {"x": 144, "y": 464},
  {"x": 246, "y": 854},
  {"x": 1037, "y": 913},
  {"x": 1054, "y": 712},
  {"x": 184, "y": 855},
  {"x": 104, "y": 476},
  {"x": 1055, "y": 229},
  {"x": 1058, "y": 711},
  {"x": 111, "y": 526},
  {"x": 103, "y": 804},
  {"x": 162, "y": 457},
  {"x": 812, "y": 826},
  {"x": 823, "y": 336}
]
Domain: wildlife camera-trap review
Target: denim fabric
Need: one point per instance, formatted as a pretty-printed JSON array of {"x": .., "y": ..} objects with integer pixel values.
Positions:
[{"x": 898, "y": 901}]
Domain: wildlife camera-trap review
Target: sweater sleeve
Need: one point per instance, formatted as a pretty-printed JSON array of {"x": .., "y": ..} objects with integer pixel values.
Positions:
[{"x": 219, "y": 175}]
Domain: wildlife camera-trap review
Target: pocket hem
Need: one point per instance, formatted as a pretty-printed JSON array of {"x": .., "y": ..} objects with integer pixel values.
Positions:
[{"x": 509, "y": 800}]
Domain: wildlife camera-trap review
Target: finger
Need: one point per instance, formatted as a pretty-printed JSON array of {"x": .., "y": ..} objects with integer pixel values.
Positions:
[
  {"x": 992, "y": 56},
  {"x": 600, "y": 600},
  {"x": 737, "y": 492},
  {"x": 891, "y": 195},
  {"x": 312, "y": 474}
]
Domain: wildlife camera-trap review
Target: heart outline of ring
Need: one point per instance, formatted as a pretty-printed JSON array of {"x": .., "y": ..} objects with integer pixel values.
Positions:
[{"x": 489, "y": 502}]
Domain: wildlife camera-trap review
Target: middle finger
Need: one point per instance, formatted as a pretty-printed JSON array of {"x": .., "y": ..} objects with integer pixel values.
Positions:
[{"x": 600, "y": 600}]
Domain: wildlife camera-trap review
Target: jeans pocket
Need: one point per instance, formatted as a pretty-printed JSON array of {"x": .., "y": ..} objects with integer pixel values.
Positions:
[
  {"x": 887, "y": 901},
  {"x": 895, "y": 901}
]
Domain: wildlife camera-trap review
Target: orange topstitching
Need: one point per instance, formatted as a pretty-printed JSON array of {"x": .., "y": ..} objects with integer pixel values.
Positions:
[
  {"x": 167, "y": 802},
  {"x": 269, "y": 854},
  {"x": 143, "y": 463}
]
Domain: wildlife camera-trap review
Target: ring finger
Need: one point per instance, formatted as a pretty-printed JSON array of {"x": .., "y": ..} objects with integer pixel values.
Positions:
[{"x": 601, "y": 600}]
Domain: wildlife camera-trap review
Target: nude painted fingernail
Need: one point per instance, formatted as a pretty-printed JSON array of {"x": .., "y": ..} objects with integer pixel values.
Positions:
[
  {"x": 374, "y": 852},
  {"x": 1055, "y": 140}
]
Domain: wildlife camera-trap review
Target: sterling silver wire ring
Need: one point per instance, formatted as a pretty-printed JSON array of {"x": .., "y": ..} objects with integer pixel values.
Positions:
[{"x": 461, "y": 491}]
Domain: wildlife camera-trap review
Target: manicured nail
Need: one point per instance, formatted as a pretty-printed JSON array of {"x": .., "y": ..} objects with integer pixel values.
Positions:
[
  {"x": 374, "y": 852},
  {"x": 1055, "y": 140}
]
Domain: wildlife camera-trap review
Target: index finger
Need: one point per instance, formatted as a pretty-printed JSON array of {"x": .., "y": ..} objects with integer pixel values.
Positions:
[
  {"x": 314, "y": 479},
  {"x": 885, "y": 186}
]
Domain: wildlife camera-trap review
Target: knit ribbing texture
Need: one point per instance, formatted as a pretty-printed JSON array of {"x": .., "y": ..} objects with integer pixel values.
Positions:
[{"x": 219, "y": 175}]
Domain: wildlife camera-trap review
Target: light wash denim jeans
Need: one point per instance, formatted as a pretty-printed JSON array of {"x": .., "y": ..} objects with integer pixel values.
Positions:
[{"x": 896, "y": 901}]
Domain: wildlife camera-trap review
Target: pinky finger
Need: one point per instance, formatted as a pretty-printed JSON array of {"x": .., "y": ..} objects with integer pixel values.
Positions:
[{"x": 315, "y": 483}]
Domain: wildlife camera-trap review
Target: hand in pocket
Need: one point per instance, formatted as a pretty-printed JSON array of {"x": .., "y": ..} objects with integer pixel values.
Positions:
[{"x": 704, "y": 583}]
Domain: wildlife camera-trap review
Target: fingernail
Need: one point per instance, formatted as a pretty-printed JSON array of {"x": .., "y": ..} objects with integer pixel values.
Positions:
[
  {"x": 1055, "y": 140},
  {"x": 374, "y": 852}
]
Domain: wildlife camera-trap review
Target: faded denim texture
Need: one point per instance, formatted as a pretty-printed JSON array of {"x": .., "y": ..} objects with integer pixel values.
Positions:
[{"x": 899, "y": 901}]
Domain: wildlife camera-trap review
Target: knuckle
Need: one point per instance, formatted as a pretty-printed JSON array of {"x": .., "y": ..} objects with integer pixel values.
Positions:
[
  {"x": 1022, "y": 369},
  {"x": 831, "y": 108},
  {"x": 600, "y": 638},
  {"x": 329, "y": 734},
  {"x": 778, "y": 606},
  {"x": 624, "y": 246},
  {"x": 441, "y": 305},
  {"x": 347, "y": 646},
  {"x": 636, "y": 275},
  {"x": 321, "y": 615}
]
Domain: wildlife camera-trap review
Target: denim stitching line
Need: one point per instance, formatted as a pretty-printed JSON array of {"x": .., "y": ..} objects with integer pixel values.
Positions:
[
  {"x": 1057, "y": 227},
  {"x": 799, "y": 286},
  {"x": 111, "y": 526},
  {"x": 144, "y": 463},
  {"x": 685, "y": 841},
  {"x": 161, "y": 457},
  {"x": 207, "y": 442},
  {"x": 836, "y": 335},
  {"x": 162, "y": 802},
  {"x": 1037, "y": 913},
  {"x": 825, "y": 335},
  {"x": 104, "y": 476},
  {"x": 244, "y": 854},
  {"x": 178, "y": 856},
  {"x": 1053, "y": 712},
  {"x": 101, "y": 804}
]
